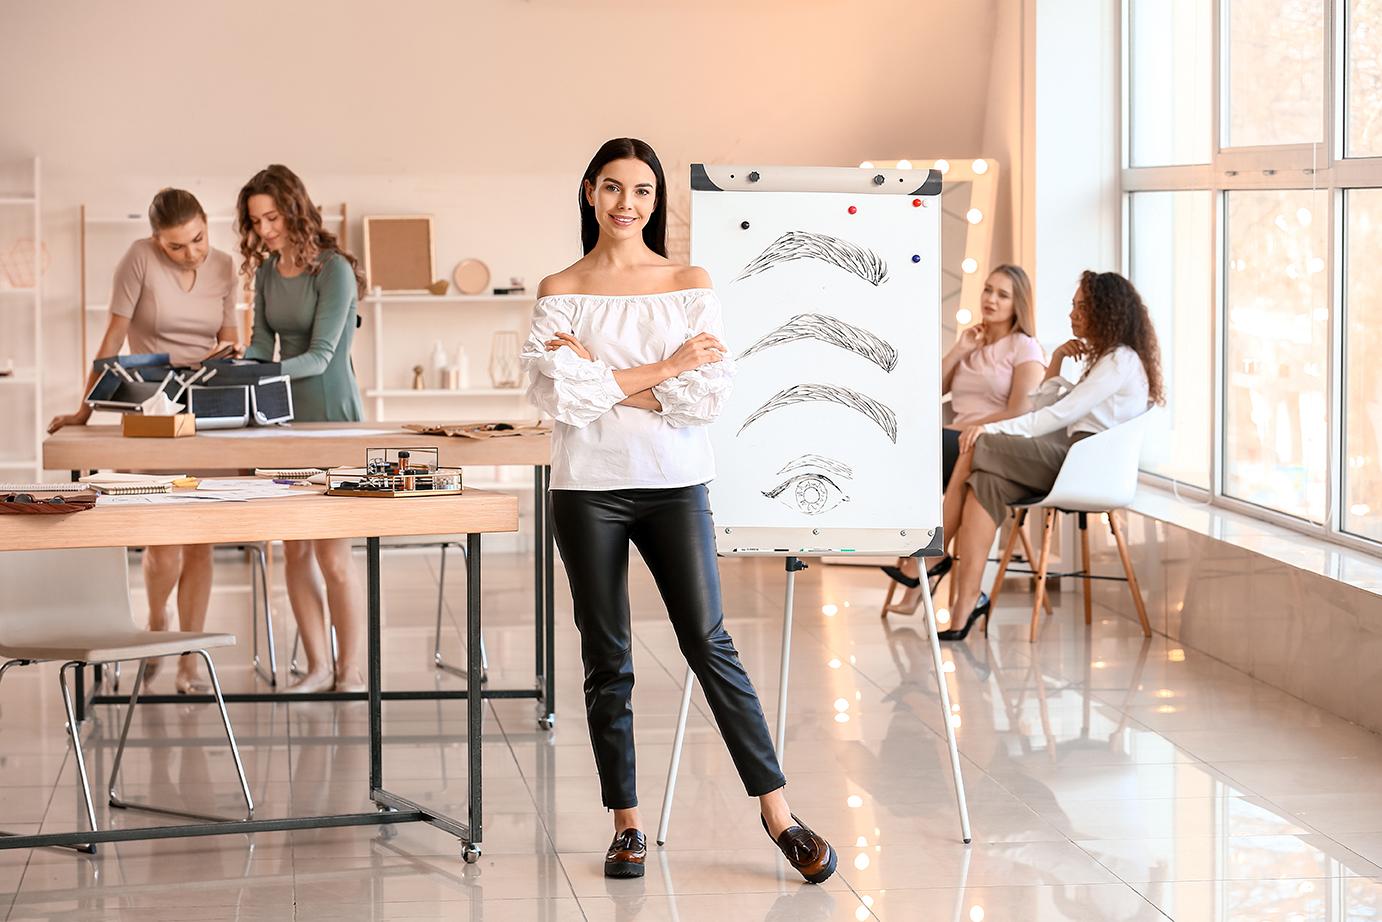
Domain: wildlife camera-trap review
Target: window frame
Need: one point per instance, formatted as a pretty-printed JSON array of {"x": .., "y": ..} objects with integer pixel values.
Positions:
[{"x": 1322, "y": 167}]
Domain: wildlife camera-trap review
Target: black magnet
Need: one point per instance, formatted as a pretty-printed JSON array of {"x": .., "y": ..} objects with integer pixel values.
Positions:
[{"x": 744, "y": 225}]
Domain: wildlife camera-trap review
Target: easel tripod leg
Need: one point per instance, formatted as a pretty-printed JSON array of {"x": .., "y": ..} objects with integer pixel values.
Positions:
[{"x": 945, "y": 711}]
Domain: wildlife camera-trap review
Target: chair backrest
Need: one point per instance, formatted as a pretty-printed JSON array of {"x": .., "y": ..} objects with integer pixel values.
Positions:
[
  {"x": 1101, "y": 471},
  {"x": 44, "y": 593}
]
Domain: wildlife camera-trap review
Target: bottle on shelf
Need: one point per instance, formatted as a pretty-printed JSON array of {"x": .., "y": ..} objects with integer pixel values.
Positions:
[
  {"x": 460, "y": 368},
  {"x": 439, "y": 364}
]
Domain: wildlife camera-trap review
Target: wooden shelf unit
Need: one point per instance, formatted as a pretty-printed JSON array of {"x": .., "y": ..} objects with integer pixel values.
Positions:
[{"x": 30, "y": 376}]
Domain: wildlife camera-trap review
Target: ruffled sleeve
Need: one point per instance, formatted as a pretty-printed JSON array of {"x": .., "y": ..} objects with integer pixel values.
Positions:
[
  {"x": 695, "y": 397},
  {"x": 561, "y": 384}
]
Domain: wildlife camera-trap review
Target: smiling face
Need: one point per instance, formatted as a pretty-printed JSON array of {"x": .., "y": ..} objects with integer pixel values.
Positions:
[
  {"x": 996, "y": 303},
  {"x": 623, "y": 196},
  {"x": 267, "y": 221},
  {"x": 185, "y": 245}
]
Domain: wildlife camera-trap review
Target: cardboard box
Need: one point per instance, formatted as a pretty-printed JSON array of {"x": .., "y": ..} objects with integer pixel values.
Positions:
[{"x": 136, "y": 425}]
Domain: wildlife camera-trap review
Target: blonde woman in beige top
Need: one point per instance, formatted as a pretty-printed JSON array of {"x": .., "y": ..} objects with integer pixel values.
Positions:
[{"x": 172, "y": 293}]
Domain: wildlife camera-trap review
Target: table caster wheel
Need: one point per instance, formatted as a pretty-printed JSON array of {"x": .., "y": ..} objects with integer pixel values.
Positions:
[
  {"x": 470, "y": 853},
  {"x": 547, "y": 721}
]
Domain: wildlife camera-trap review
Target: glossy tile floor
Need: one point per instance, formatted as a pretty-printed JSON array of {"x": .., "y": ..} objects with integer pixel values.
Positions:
[{"x": 1109, "y": 778}]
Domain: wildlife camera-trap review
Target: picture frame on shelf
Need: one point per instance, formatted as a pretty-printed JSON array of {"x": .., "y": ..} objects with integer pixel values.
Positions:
[{"x": 400, "y": 253}]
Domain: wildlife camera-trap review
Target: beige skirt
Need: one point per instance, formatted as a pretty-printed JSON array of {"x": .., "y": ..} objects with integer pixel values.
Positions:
[{"x": 1007, "y": 469}]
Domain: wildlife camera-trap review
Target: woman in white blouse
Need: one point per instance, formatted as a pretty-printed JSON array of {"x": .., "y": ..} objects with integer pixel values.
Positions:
[
  {"x": 1020, "y": 457},
  {"x": 624, "y": 354}
]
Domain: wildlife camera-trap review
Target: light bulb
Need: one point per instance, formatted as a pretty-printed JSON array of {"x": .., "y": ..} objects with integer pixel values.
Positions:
[
  {"x": 970, "y": 265},
  {"x": 855, "y": 801},
  {"x": 866, "y": 165},
  {"x": 829, "y": 611},
  {"x": 861, "y": 861},
  {"x": 834, "y": 664},
  {"x": 841, "y": 704},
  {"x": 963, "y": 315},
  {"x": 980, "y": 167},
  {"x": 942, "y": 165},
  {"x": 974, "y": 216}
]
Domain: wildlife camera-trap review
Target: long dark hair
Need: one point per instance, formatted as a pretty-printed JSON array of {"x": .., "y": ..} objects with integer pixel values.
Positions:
[
  {"x": 655, "y": 230},
  {"x": 310, "y": 239},
  {"x": 1117, "y": 317}
]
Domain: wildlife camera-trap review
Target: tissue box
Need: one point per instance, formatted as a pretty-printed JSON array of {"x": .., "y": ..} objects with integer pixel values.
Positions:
[{"x": 137, "y": 425}]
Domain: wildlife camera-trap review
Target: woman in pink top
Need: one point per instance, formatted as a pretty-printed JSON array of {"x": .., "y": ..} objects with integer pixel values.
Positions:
[
  {"x": 172, "y": 293},
  {"x": 990, "y": 374}
]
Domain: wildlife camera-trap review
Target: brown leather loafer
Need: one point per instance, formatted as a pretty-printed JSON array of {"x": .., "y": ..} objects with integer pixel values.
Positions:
[
  {"x": 626, "y": 854},
  {"x": 806, "y": 850}
]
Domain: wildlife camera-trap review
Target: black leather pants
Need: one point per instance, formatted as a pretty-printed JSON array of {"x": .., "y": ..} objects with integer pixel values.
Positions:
[{"x": 672, "y": 530}]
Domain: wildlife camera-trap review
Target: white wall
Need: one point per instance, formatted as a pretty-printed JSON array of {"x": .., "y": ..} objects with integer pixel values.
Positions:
[
  {"x": 1075, "y": 179},
  {"x": 482, "y": 113}
]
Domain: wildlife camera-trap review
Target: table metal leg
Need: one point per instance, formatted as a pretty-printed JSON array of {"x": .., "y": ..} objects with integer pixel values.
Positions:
[
  {"x": 475, "y": 705},
  {"x": 540, "y": 527},
  {"x": 549, "y": 602}
]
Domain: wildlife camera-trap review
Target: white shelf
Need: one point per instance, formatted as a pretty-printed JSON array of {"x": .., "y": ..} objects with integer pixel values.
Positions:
[
  {"x": 514, "y": 486},
  {"x": 19, "y": 291},
  {"x": 17, "y": 200},
  {"x": 445, "y": 299},
  {"x": 19, "y": 377},
  {"x": 211, "y": 219},
  {"x": 437, "y": 392},
  {"x": 33, "y": 462},
  {"x": 105, "y": 308}
]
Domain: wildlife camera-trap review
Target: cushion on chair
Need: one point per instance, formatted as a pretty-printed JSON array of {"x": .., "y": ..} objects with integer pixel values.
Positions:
[{"x": 108, "y": 646}]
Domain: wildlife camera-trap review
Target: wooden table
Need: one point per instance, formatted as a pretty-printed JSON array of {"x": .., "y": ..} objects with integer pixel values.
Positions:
[
  {"x": 83, "y": 448},
  {"x": 312, "y": 515}
]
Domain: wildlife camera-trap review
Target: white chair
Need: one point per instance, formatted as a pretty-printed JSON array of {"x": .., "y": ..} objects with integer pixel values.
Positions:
[
  {"x": 73, "y": 607},
  {"x": 1098, "y": 476}
]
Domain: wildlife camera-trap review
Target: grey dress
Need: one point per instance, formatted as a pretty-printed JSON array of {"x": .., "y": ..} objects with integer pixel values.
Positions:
[{"x": 313, "y": 318}]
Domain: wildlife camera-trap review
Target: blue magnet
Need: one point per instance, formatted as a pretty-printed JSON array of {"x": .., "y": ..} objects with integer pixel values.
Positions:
[{"x": 916, "y": 258}]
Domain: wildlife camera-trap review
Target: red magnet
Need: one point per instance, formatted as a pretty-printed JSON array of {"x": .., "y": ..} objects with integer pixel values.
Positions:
[
  {"x": 918, "y": 203},
  {"x": 852, "y": 209}
]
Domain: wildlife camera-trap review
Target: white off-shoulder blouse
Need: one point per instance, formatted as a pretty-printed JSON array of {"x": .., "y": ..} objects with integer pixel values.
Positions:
[{"x": 599, "y": 445}]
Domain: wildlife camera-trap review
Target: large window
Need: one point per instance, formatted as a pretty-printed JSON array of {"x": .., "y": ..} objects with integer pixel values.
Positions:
[
  {"x": 1168, "y": 69},
  {"x": 1262, "y": 262},
  {"x": 1275, "y": 72},
  {"x": 1362, "y": 468},
  {"x": 1363, "y": 118},
  {"x": 1171, "y": 263},
  {"x": 1276, "y": 351}
]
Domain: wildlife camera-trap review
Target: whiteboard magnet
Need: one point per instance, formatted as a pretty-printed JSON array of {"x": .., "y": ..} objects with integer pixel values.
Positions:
[
  {"x": 754, "y": 177},
  {"x": 744, "y": 225},
  {"x": 916, "y": 203},
  {"x": 916, "y": 257},
  {"x": 878, "y": 180},
  {"x": 815, "y": 531},
  {"x": 853, "y": 210}
]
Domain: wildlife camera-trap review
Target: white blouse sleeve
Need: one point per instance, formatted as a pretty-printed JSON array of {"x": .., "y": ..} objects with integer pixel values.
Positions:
[
  {"x": 561, "y": 384},
  {"x": 695, "y": 397},
  {"x": 1102, "y": 382}
]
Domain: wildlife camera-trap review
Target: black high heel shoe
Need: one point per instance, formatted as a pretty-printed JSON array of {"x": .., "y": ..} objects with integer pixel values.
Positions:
[
  {"x": 912, "y": 582},
  {"x": 980, "y": 610}
]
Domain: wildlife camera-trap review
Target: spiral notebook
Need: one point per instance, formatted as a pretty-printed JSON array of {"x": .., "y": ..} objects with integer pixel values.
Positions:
[{"x": 131, "y": 484}]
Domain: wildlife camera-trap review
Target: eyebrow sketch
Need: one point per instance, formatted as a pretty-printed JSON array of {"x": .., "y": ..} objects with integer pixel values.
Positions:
[
  {"x": 838, "y": 468},
  {"x": 885, "y": 418},
  {"x": 866, "y": 264},
  {"x": 810, "y": 493},
  {"x": 833, "y": 331}
]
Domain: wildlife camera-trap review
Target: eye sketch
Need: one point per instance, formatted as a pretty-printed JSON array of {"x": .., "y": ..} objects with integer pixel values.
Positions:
[
  {"x": 885, "y": 418},
  {"x": 838, "y": 468},
  {"x": 811, "y": 493},
  {"x": 833, "y": 331},
  {"x": 866, "y": 264}
]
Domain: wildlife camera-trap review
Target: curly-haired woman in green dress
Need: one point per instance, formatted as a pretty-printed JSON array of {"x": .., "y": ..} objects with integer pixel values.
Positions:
[{"x": 306, "y": 291}]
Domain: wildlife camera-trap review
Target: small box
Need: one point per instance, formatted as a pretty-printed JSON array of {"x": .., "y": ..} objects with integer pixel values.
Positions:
[{"x": 136, "y": 425}]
